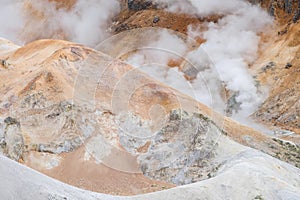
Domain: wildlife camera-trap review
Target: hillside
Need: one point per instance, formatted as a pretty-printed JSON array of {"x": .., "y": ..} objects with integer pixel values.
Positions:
[{"x": 151, "y": 100}]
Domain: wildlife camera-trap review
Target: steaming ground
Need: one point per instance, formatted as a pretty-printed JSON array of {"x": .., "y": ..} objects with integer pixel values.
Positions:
[
  {"x": 222, "y": 79},
  {"x": 220, "y": 63}
]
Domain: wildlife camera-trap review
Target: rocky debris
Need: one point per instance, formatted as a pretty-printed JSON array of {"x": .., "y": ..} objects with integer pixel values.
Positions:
[
  {"x": 156, "y": 19},
  {"x": 233, "y": 106},
  {"x": 4, "y": 64},
  {"x": 258, "y": 197},
  {"x": 288, "y": 65},
  {"x": 137, "y": 5},
  {"x": 58, "y": 147},
  {"x": 288, "y": 151},
  {"x": 288, "y": 6},
  {"x": 269, "y": 66},
  {"x": 11, "y": 121},
  {"x": 11, "y": 139},
  {"x": 122, "y": 27},
  {"x": 34, "y": 101},
  {"x": 282, "y": 10},
  {"x": 272, "y": 9},
  {"x": 72, "y": 131},
  {"x": 297, "y": 14},
  {"x": 63, "y": 126},
  {"x": 282, "y": 32},
  {"x": 61, "y": 119},
  {"x": 182, "y": 151},
  {"x": 282, "y": 109}
]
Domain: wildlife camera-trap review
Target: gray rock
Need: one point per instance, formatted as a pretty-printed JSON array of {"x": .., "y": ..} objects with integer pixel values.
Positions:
[
  {"x": 12, "y": 140},
  {"x": 156, "y": 19},
  {"x": 297, "y": 14},
  {"x": 61, "y": 146},
  {"x": 233, "y": 106},
  {"x": 288, "y": 5},
  {"x": 288, "y": 65},
  {"x": 4, "y": 63},
  {"x": 268, "y": 66},
  {"x": 11, "y": 121},
  {"x": 272, "y": 10},
  {"x": 137, "y": 5},
  {"x": 183, "y": 149}
]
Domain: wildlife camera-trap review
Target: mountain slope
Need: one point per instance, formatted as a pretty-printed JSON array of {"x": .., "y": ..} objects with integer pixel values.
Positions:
[{"x": 63, "y": 100}]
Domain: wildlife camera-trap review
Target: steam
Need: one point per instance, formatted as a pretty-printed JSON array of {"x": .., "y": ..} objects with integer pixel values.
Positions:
[
  {"x": 86, "y": 22},
  {"x": 222, "y": 61},
  {"x": 156, "y": 49},
  {"x": 162, "y": 46},
  {"x": 11, "y": 20},
  {"x": 232, "y": 44},
  {"x": 201, "y": 8}
]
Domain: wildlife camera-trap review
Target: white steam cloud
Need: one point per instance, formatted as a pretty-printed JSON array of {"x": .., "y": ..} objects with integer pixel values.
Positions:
[
  {"x": 161, "y": 47},
  {"x": 231, "y": 44},
  {"x": 156, "y": 50},
  {"x": 11, "y": 20},
  {"x": 86, "y": 22},
  {"x": 201, "y": 8}
]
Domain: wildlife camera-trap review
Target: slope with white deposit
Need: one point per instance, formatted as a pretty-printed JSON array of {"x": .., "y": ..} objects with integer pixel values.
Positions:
[{"x": 247, "y": 174}]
